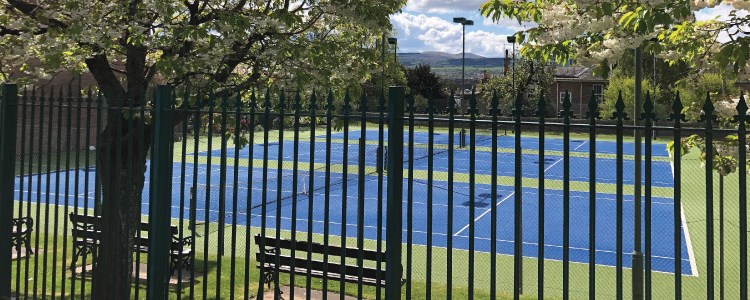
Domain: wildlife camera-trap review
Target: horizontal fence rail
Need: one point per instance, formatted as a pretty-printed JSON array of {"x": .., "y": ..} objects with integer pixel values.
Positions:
[{"x": 179, "y": 192}]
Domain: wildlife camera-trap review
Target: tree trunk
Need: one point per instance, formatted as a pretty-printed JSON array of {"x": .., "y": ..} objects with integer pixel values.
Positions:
[{"x": 121, "y": 166}]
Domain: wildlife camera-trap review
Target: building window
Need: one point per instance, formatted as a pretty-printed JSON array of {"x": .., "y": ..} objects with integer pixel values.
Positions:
[
  {"x": 562, "y": 96},
  {"x": 598, "y": 91}
]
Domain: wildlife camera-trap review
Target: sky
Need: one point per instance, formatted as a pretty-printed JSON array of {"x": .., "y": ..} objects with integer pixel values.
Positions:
[{"x": 427, "y": 25}]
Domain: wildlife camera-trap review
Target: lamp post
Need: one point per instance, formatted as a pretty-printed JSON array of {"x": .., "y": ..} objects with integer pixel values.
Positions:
[
  {"x": 512, "y": 40},
  {"x": 464, "y": 22},
  {"x": 394, "y": 42}
]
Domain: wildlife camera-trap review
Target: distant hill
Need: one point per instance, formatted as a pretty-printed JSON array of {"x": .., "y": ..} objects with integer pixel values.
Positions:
[{"x": 441, "y": 60}]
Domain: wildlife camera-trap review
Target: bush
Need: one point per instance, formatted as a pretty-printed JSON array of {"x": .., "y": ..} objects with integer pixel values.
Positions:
[{"x": 626, "y": 84}]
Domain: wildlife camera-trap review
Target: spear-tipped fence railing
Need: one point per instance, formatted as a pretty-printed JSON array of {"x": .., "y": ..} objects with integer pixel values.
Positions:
[{"x": 394, "y": 197}]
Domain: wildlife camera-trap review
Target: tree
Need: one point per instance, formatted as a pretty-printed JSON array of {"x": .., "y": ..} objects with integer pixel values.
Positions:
[
  {"x": 595, "y": 32},
  {"x": 530, "y": 80},
  {"x": 422, "y": 81},
  {"x": 619, "y": 83},
  {"x": 226, "y": 46},
  {"x": 391, "y": 73},
  {"x": 693, "y": 90}
]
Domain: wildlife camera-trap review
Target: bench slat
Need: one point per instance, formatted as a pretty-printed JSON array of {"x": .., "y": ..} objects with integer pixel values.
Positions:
[
  {"x": 85, "y": 221},
  {"x": 320, "y": 274},
  {"x": 270, "y": 242},
  {"x": 303, "y": 263}
]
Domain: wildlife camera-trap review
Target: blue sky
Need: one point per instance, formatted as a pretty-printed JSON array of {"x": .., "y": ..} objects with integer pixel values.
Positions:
[{"x": 427, "y": 25}]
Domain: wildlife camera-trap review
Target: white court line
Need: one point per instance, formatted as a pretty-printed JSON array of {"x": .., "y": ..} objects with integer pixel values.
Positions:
[
  {"x": 443, "y": 234},
  {"x": 688, "y": 241},
  {"x": 483, "y": 214},
  {"x": 501, "y": 201}
]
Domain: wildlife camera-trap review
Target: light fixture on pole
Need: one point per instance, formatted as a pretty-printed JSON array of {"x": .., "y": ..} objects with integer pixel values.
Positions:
[{"x": 464, "y": 22}]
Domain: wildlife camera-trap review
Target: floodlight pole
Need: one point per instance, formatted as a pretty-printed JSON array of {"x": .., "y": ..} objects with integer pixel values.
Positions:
[
  {"x": 394, "y": 42},
  {"x": 464, "y": 22},
  {"x": 512, "y": 40},
  {"x": 382, "y": 64}
]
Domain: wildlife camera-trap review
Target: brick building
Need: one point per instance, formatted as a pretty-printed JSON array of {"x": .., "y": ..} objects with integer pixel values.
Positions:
[
  {"x": 580, "y": 83},
  {"x": 66, "y": 123}
]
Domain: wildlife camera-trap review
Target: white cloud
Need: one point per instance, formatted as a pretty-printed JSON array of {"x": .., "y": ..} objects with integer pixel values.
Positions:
[
  {"x": 507, "y": 25},
  {"x": 426, "y": 33},
  {"x": 443, "y": 6}
]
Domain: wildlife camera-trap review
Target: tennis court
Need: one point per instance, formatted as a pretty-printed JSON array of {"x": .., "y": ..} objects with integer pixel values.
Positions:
[{"x": 247, "y": 191}]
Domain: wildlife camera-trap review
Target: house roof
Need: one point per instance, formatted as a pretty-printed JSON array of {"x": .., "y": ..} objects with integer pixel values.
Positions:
[{"x": 577, "y": 73}]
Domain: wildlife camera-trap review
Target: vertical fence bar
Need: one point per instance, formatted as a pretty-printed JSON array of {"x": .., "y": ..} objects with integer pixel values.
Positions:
[
  {"x": 449, "y": 230},
  {"x": 430, "y": 175},
  {"x": 21, "y": 183},
  {"x": 7, "y": 165},
  {"x": 295, "y": 181},
  {"x": 381, "y": 144},
  {"x": 395, "y": 186},
  {"x": 472, "y": 186},
  {"x": 221, "y": 222},
  {"x": 160, "y": 200},
  {"x": 648, "y": 116},
  {"x": 266, "y": 117},
  {"x": 410, "y": 197},
  {"x": 207, "y": 201},
  {"x": 708, "y": 118},
  {"x": 183, "y": 174},
  {"x": 235, "y": 194},
  {"x": 493, "y": 197},
  {"x": 541, "y": 114},
  {"x": 592, "y": 114},
  {"x": 194, "y": 193},
  {"x": 620, "y": 116},
  {"x": 676, "y": 116},
  {"x": 346, "y": 108},
  {"x": 250, "y": 187},
  {"x": 327, "y": 193},
  {"x": 29, "y": 197},
  {"x": 222, "y": 190},
  {"x": 517, "y": 202},
  {"x": 55, "y": 226},
  {"x": 494, "y": 112},
  {"x": 741, "y": 118},
  {"x": 48, "y": 188},
  {"x": 130, "y": 142},
  {"x": 69, "y": 115},
  {"x": 310, "y": 194},
  {"x": 76, "y": 179},
  {"x": 361, "y": 192},
  {"x": 279, "y": 188},
  {"x": 566, "y": 114}
]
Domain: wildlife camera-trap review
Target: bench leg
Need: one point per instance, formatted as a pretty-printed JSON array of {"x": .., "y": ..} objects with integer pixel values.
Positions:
[{"x": 27, "y": 241}]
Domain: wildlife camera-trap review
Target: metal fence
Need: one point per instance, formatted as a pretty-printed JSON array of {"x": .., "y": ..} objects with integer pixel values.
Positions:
[{"x": 187, "y": 194}]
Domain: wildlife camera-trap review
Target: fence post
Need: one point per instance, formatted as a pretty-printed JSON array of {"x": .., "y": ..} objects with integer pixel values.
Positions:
[
  {"x": 7, "y": 172},
  {"x": 395, "y": 187},
  {"x": 161, "y": 195}
]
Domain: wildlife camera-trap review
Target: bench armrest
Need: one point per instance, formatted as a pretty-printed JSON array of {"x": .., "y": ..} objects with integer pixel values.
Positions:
[
  {"x": 23, "y": 225},
  {"x": 184, "y": 242}
]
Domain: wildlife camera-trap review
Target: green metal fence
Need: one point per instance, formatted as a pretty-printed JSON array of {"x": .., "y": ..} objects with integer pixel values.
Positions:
[{"x": 189, "y": 194}]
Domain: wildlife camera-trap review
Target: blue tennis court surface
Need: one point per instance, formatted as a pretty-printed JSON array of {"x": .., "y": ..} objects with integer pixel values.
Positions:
[
  {"x": 554, "y": 167},
  {"x": 249, "y": 198},
  {"x": 508, "y": 142},
  {"x": 248, "y": 194}
]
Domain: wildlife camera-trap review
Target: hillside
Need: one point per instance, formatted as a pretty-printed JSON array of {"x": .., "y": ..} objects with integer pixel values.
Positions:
[{"x": 441, "y": 59}]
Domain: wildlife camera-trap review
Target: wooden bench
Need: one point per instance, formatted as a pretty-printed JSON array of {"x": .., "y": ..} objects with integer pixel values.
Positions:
[
  {"x": 87, "y": 236},
  {"x": 268, "y": 255},
  {"x": 22, "y": 228}
]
